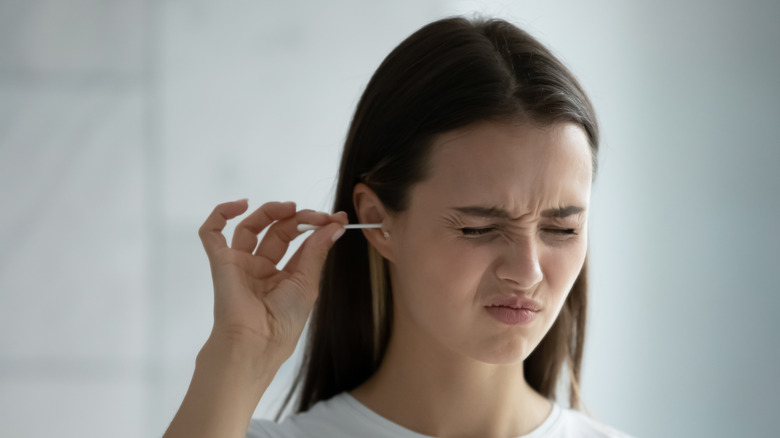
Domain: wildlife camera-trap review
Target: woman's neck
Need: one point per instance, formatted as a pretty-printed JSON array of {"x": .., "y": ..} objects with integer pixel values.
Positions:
[{"x": 426, "y": 388}]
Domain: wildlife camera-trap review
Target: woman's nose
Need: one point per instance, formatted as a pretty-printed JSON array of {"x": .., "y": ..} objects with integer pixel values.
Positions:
[{"x": 520, "y": 264}]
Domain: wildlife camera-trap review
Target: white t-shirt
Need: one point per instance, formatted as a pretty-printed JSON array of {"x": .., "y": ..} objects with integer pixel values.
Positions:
[{"x": 343, "y": 416}]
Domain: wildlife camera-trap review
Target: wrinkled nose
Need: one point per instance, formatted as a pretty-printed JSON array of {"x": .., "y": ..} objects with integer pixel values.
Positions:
[{"x": 519, "y": 266}]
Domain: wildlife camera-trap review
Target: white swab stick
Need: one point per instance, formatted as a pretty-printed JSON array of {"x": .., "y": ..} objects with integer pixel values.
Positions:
[{"x": 307, "y": 227}]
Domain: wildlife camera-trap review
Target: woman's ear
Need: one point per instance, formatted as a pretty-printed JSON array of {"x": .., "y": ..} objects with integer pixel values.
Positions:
[{"x": 370, "y": 210}]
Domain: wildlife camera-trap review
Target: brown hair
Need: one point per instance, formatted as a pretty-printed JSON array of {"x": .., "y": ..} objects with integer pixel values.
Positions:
[{"x": 449, "y": 74}]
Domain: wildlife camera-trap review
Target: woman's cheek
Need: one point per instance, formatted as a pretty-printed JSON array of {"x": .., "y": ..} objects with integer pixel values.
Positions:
[
  {"x": 562, "y": 268},
  {"x": 445, "y": 272}
]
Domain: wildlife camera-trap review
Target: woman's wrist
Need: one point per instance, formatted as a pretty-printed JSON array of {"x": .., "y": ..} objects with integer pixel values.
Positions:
[
  {"x": 230, "y": 378},
  {"x": 243, "y": 355}
]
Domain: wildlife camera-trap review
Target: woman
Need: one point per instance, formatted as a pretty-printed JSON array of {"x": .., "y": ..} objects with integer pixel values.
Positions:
[{"x": 474, "y": 148}]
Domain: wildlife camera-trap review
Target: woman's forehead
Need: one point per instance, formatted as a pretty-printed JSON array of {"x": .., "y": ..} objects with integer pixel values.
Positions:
[
  {"x": 511, "y": 161},
  {"x": 567, "y": 138}
]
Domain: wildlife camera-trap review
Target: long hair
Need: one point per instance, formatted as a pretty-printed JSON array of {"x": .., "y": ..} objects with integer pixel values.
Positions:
[{"x": 447, "y": 75}]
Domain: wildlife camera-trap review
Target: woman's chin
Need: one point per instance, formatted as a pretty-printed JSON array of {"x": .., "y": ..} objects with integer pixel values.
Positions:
[{"x": 507, "y": 353}]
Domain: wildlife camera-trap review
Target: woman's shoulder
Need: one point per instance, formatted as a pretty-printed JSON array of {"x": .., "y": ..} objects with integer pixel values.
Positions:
[
  {"x": 338, "y": 417},
  {"x": 572, "y": 423},
  {"x": 320, "y": 417}
]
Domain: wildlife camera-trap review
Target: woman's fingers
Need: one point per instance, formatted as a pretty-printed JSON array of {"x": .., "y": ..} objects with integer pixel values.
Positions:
[
  {"x": 294, "y": 262},
  {"x": 305, "y": 266},
  {"x": 245, "y": 235},
  {"x": 211, "y": 231},
  {"x": 276, "y": 241},
  {"x": 283, "y": 221}
]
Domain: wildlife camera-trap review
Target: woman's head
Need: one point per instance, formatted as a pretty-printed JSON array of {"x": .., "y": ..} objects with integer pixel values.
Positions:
[
  {"x": 461, "y": 114},
  {"x": 500, "y": 218}
]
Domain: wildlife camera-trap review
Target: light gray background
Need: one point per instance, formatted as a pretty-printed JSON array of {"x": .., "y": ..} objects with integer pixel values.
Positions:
[{"x": 122, "y": 123}]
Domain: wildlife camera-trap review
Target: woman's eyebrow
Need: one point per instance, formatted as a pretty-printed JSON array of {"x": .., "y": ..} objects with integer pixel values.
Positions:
[
  {"x": 500, "y": 213},
  {"x": 562, "y": 212}
]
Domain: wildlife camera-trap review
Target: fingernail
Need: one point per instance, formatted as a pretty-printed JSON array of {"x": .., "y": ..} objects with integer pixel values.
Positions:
[
  {"x": 338, "y": 234},
  {"x": 244, "y": 200}
]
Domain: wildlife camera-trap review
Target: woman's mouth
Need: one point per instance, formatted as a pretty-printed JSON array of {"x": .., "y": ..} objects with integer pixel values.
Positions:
[
  {"x": 512, "y": 315},
  {"x": 513, "y": 309}
]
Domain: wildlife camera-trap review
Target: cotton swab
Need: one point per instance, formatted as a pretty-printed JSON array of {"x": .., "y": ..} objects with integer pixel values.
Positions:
[{"x": 308, "y": 227}]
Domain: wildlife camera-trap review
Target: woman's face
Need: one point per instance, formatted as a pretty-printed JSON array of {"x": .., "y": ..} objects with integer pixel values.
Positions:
[{"x": 500, "y": 221}]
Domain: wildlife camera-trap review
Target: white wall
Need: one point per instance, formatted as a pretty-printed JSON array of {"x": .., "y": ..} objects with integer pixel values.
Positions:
[{"x": 123, "y": 123}]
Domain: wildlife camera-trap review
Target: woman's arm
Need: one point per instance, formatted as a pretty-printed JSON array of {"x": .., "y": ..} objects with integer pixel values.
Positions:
[
  {"x": 227, "y": 385},
  {"x": 259, "y": 312}
]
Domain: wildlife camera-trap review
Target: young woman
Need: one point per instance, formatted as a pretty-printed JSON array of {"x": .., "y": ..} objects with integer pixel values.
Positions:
[{"x": 474, "y": 148}]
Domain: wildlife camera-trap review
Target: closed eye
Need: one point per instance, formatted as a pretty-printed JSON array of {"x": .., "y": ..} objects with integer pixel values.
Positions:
[
  {"x": 471, "y": 231},
  {"x": 476, "y": 231},
  {"x": 561, "y": 230}
]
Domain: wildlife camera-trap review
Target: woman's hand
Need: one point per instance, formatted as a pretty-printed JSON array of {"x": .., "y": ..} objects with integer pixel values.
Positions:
[
  {"x": 256, "y": 305},
  {"x": 259, "y": 312}
]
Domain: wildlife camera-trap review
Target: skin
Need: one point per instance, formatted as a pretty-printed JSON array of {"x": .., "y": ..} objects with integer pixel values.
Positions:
[{"x": 451, "y": 369}]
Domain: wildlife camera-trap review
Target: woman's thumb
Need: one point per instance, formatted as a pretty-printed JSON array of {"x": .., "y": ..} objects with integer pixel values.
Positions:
[{"x": 314, "y": 252}]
